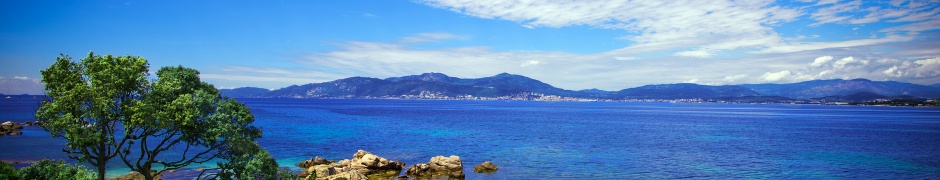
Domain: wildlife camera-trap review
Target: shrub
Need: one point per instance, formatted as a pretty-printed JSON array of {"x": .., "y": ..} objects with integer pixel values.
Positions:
[
  {"x": 7, "y": 171},
  {"x": 263, "y": 167},
  {"x": 50, "y": 169}
]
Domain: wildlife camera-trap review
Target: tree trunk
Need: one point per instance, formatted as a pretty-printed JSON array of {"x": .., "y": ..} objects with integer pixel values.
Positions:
[
  {"x": 145, "y": 171},
  {"x": 101, "y": 172},
  {"x": 102, "y": 160}
]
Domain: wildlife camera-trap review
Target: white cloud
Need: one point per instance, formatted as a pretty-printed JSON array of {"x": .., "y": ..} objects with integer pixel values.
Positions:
[
  {"x": 932, "y": 24},
  {"x": 893, "y": 71},
  {"x": 847, "y": 62},
  {"x": 710, "y": 26},
  {"x": 833, "y": 10},
  {"x": 852, "y": 12},
  {"x": 796, "y": 46},
  {"x": 823, "y": 74},
  {"x": 924, "y": 71},
  {"x": 530, "y": 63},
  {"x": 430, "y": 37},
  {"x": 734, "y": 78},
  {"x": 926, "y": 67},
  {"x": 776, "y": 76},
  {"x": 21, "y": 85},
  {"x": 820, "y": 61},
  {"x": 704, "y": 29},
  {"x": 696, "y": 53},
  {"x": 625, "y": 58}
]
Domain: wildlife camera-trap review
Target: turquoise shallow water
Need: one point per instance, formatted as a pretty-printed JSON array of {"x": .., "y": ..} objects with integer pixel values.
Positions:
[{"x": 595, "y": 140}]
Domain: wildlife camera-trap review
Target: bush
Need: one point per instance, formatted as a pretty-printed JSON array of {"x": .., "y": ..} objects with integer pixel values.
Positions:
[
  {"x": 7, "y": 171},
  {"x": 50, "y": 169},
  {"x": 263, "y": 167}
]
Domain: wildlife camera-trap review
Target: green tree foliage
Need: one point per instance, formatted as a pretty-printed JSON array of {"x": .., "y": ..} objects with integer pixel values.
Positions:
[
  {"x": 252, "y": 162},
  {"x": 261, "y": 167},
  {"x": 88, "y": 101},
  {"x": 106, "y": 107},
  {"x": 46, "y": 169},
  {"x": 7, "y": 171}
]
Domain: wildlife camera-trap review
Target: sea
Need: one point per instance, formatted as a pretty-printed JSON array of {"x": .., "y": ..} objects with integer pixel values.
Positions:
[{"x": 580, "y": 140}]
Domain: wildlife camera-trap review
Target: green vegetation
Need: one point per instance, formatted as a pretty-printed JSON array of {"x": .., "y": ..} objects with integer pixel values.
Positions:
[
  {"x": 88, "y": 101},
  {"x": 7, "y": 171},
  {"x": 106, "y": 107},
  {"x": 46, "y": 169}
]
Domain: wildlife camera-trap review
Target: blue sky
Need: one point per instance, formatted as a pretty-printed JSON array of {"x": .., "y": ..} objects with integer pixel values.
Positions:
[{"x": 609, "y": 45}]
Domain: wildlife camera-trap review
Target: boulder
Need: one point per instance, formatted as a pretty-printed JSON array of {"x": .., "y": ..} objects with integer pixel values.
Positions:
[
  {"x": 134, "y": 175},
  {"x": 7, "y": 125},
  {"x": 349, "y": 175},
  {"x": 370, "y": 164},
  {"x": 341, "y": 163},
  {"x": 441, "y": 163},
  {"x": 363, "y": 162},
  {"x": 303, "y": 174},
  {"x": 418, "y": 170},
  {"x": 438, "y": 166},
  {"x": 485, "y": 167},
  {"x": 312, "y": 162},
  {"x": 359, "y": 154},
  {"x": 324, "y": 170},
  {"x": 14, "y": 133}
]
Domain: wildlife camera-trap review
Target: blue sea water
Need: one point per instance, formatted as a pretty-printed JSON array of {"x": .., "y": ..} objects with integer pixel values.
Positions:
[{"x": 592, "y": 140}]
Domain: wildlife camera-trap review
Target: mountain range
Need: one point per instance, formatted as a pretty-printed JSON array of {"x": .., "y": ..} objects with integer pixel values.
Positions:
[{"x": 437, "y": 85}]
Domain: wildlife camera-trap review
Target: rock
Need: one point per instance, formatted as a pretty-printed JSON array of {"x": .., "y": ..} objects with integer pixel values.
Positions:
[
  {"x": 134, "y": 175},
  {"x": 6, "y": 126},
  {"x": 324, "y": 170},
  {"x": 359, "y": 154},
  {"x": 350, "y": 175},
  {"x": 341, "y": 163},
  {"x": 14, "y": 133},
  {"x": 363, "y": 163},
  {"x": 485, "y": 167},
  {"x": 313, "y": 162},
  {"x": 438, "y": 166},
  {"x": 402, "y": 177},
  {"x": 370, "y": 164},
  {"x": 441, "y": 163},
  {"x": 419, "y": 170},
  {"x": 17, "y": 126}
]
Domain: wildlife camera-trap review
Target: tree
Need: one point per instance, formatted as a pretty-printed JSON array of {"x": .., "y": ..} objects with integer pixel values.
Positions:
[
  {"x": 88, "y": 101},
  {"x": 182, "y": 113},
  {"x": 50, "y": 169},
  {"x": 106, "y": 104}
]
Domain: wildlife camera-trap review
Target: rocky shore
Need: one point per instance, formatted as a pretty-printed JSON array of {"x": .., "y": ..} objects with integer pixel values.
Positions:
[
  {"x": 365, "y": 165},
  {"x": 10, "y": 128}
]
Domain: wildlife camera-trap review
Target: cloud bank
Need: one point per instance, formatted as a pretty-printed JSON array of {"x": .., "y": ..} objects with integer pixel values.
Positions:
[
  {"x": 706, "y": 42},
  {"x": 20, "y": 85}
]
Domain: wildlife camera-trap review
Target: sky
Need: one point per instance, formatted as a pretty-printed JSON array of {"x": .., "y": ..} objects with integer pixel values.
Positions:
[{"x": 604, "y": 44}]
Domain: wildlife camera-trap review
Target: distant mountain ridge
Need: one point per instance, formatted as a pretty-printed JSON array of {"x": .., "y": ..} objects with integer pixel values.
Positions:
[
  {"x": 838, "y": 87},
  {"x": 438, "y": 85},
  {"x": 684, "y": 91}
]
